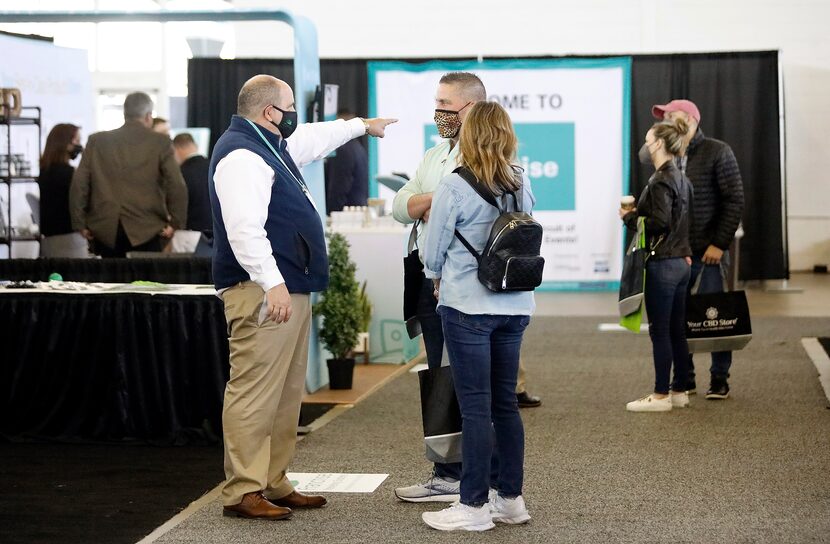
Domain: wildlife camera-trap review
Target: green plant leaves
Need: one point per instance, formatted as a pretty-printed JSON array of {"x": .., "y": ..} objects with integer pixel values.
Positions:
[{"x": 340, "y": 305}]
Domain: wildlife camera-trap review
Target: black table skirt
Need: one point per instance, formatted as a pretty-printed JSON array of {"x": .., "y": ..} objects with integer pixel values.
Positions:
[
  {"x": 162, "y": 270},
  {"x": 112, "y": 367}
]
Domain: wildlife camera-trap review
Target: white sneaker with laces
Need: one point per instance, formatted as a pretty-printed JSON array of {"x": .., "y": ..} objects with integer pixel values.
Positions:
[
  {"x": 460, "y": 517},
  {"x": 679, "y": 399},
  {"x": 650, "y": 403},
  {"x": 436, "y": 489},
  {"x": 510, "y": 511}
]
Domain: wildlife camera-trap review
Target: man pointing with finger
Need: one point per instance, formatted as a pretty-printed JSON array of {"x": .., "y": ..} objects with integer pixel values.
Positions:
[{"x": 270, "y": 254}]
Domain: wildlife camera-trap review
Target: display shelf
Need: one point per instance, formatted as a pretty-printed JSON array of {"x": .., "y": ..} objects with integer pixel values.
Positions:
[{"x": 30, "y": 116}]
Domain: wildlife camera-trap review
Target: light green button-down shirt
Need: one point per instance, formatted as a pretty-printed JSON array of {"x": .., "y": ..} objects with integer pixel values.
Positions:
[{"x": 437, "y": 163}]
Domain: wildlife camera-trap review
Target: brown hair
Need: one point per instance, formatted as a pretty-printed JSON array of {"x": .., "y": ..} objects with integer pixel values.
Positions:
[
  {"x": 488, "y": 147},
  {"x": 469, "y": 85},
  {"x": 673, "y": 134},
  {"x": 55, "y": 151},
  {"x": 183, "y": 139}
]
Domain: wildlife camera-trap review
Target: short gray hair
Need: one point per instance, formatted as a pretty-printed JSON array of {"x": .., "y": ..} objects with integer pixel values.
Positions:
[
  {"x": 137, "y": 106},
  {"x": 256, "y": 94},
  {"x": 469, "y": 85}
]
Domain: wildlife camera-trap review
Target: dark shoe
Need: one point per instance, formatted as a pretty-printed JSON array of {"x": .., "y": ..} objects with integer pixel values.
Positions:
[
  {"x": 298, "y": 500},
  {"x": 528, "y": 401},
  {"x": 691, "y": 386},
  {"x": 719, "y": 388},
  {"x": 256, "y": 506}
]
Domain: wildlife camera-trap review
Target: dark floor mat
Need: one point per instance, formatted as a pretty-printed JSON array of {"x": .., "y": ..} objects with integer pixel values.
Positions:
[
  {"x": 98, "y": 493},
  {"x": 825, "y": 343},
  {"x": 311, "y": 411}
]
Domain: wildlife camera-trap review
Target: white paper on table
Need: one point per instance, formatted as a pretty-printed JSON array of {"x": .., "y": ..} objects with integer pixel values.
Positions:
[{"x": 332, "y": 482}]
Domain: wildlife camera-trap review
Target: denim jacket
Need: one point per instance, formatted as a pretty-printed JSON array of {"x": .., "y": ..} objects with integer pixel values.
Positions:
[{"x": 456, "y": 205}]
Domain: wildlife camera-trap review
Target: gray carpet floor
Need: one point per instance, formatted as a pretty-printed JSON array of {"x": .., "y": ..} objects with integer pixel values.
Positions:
[{"x": 753, "y": 468}]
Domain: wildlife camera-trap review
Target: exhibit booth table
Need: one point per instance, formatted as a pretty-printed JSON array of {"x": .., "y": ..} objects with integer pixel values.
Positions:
[{"x": 112, "y": 362}]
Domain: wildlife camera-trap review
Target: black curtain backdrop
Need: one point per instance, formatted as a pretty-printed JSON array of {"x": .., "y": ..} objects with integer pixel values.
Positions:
[
  {"x": 195, "y": 270},
  {"x": 213, "y": 85},
  {"x": 737, "y": 94}
]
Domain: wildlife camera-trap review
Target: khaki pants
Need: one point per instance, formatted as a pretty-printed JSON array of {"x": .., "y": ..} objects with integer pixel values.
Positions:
[
  {"x": 521, "y": 379},
  {"x": 264, "y": 393}
]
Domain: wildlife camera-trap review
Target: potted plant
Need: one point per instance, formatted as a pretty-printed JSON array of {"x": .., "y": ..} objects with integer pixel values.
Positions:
[
  {"x": 339, "y": 307},
  {"x": 362, "y": 345}
]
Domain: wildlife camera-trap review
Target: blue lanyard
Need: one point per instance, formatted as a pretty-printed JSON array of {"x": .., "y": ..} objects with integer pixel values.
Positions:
[{"x": 303, "y": 186}]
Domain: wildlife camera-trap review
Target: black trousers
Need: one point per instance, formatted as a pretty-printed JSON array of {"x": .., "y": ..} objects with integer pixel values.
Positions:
[{"x": 123, "y": 245}]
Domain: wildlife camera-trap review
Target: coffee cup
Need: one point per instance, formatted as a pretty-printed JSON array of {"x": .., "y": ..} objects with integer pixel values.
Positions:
[
  {"x": 627, "y": 202},
  {"x": 11, "y": 103}
]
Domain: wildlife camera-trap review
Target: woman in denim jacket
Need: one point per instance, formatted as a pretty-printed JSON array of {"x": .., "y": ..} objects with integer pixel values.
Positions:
[
  {"x": 482, "y": 329},
  {"x": 665, "y": 204}
]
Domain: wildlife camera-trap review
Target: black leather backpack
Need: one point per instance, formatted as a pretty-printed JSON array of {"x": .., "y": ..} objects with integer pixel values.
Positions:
[{"x": 510, "y": 260}]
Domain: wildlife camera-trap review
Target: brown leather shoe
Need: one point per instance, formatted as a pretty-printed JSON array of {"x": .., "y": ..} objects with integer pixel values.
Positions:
[
  {"x": 255, "y": 506},
  {"x": 298, "y": 500}
]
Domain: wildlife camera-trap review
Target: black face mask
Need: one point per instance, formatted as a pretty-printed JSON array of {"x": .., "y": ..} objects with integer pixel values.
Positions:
[
  {"x": 645, "y": 155},
  {"x": 288, "y": 125},
  {"x": 77, "y": 149}
]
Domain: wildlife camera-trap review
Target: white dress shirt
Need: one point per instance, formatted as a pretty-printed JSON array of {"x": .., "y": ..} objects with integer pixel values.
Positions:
[{"x": 243, "y": 186}]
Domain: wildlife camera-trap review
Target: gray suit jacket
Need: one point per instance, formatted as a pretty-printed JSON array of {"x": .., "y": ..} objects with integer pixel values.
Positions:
[{"x": 129, "y": 175}]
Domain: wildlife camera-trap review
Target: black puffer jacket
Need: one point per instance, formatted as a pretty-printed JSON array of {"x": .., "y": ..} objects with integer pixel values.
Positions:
[
  {"x": 719, "y": 193},
  {"x": 666, "y": 205}
]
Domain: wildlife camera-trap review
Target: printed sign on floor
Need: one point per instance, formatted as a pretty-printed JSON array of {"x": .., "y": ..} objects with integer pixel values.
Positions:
[{"x": 332, "y": 482}]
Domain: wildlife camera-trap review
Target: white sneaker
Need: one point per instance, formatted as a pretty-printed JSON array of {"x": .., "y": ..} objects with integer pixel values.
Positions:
[
  {"x": 649, "y": 404},
  {"x": 511, "y": 511},
  {"x": 460, "y": 517},
  {"x": 436, "y": 489},
  {"x": 679, "y": 399}
]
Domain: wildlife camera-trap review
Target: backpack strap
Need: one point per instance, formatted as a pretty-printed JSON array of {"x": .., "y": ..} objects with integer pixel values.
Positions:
[
  {"x": 482, "y": 191},
  {"x": 469, "y": 246}
]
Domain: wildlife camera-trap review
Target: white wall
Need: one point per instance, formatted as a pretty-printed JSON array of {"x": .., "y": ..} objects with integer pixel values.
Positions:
[{"x": 433, "y": 28}]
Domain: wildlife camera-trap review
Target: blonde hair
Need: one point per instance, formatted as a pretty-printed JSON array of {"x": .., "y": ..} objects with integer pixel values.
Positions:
[
  {"x": 673, "y": 134},
  {"x": 488, "y": 147}
]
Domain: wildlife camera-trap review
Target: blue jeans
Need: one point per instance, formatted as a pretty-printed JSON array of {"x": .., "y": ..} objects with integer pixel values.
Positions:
[
  {"x": 484, "y": 357},
  {"x": 434, "y": 344},
  {"x": 711, "y": 282},
  {"x": 665, "y": 293}
]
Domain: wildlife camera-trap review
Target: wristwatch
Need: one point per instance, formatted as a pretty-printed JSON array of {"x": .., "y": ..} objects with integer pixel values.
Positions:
[{"x": 365, "y": 124}]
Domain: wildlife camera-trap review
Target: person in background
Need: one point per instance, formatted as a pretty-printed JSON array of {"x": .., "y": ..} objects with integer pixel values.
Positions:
[
  {"x": 194, "y": 169},
  {"x": 63, "y": 144},
  {"x": 270, "y": 255},
  {"x": 347, "y": 173},
  {"x": 482, "y": 329},
  {"x": 128, "y": 193},
  {"x": 665, "y": 205},
  {"x": 719, "y": 203},
  {"x": 457, "y": 92},
  {"x": 161, "y": 125}
]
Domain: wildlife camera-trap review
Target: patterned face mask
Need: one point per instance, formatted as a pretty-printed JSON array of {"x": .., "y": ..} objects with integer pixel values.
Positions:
[{"x": 448, "y": 122}]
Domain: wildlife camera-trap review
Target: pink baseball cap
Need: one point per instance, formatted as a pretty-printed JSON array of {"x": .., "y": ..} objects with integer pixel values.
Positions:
[{"x": 688, "y": 106}]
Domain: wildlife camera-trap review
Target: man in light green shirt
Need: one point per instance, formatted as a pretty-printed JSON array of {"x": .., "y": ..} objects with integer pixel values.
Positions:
[
  {"x": 457, "y": 91},
  {"x": 414, "y": 200}
]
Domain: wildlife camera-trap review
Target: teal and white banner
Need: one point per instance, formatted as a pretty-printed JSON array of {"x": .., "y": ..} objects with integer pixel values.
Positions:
[{"x": 572, "y": 120}]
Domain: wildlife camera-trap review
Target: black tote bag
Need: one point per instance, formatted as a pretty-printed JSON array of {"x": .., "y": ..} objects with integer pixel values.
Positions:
[
  {"x": 413, "y": 277},
  {"x": 633, "y": 277},
  {"x": 441, "y": 415},
  {"x": 717, "y": 321}
]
